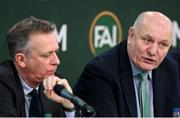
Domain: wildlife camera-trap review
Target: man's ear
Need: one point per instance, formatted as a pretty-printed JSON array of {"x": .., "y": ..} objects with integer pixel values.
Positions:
[
  {"x": 20, "y": 59},
  {"x": 130, "y": 34}
]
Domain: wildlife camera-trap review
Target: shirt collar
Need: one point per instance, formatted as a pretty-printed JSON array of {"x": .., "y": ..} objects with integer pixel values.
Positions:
[
  {"x": 26, "y": 88},
  {"x": 136, "y": 70}
]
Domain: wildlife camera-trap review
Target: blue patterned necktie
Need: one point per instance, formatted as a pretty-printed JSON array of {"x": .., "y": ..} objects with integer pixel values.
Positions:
[
  {"x": 145, "y": 99},
  {"x": 35, "y": 109}
]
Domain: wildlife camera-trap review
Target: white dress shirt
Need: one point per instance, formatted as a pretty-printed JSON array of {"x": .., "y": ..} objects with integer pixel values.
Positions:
[{"x": 136, "y": 80}]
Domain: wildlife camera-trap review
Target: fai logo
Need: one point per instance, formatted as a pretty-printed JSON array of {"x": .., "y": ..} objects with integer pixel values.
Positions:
[{"x": 105, "y": 32}]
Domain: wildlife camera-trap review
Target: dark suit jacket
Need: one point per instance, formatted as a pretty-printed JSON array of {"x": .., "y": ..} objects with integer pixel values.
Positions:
[
  {"x": 107, "y": 85},
  {"x": 175, "y": 55},
  {"x": 12, "y": 95}
]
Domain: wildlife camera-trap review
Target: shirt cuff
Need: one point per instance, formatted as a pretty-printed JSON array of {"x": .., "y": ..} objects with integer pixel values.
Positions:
[{"x": 70, "y": 113}]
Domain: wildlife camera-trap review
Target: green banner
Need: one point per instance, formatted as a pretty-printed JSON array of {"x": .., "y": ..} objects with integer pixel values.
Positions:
[{"x": 84, "y": 28}]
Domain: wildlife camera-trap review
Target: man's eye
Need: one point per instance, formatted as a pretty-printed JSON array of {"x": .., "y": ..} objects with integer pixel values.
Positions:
[
  {"x": 164, "y": 44},
  {"x": 146, "y": 40},
  {"x": 45, "y": 55}
]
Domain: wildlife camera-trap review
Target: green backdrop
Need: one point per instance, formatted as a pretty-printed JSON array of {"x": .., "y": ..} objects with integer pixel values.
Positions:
[{"x": 78, "y": 16}]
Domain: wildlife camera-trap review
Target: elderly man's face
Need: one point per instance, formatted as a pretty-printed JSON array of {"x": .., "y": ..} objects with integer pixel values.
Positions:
[{"x": 148, "y": 44}]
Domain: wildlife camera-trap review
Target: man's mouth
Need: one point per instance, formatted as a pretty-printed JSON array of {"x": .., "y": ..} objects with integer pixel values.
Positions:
[
  {"x": 51, "y": 72},
  {"x": 149, "y": 60}
]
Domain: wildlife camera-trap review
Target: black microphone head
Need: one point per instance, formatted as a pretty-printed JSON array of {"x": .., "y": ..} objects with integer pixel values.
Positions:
[
  {"x": 88, "y": 111},
  {"x": 61, "y": 91},
  {"x": 58, "y": 88}
]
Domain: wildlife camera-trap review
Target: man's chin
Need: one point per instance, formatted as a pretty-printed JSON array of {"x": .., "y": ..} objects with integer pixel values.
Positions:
[{"x": 148, "y": 68}]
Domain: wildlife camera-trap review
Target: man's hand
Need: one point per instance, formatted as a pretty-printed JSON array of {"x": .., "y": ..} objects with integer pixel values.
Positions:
[{"x": 49, "y": 84}]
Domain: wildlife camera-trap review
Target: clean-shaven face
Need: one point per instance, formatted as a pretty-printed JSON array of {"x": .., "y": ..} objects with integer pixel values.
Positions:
[
  {"x": 149, "y": 42},
  {"x": 42, "y": 60}
]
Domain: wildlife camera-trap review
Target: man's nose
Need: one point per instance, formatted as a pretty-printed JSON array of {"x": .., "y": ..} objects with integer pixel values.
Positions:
[
  {"x": 152, "y": 50},
  {"x": 55, "y": 59}
]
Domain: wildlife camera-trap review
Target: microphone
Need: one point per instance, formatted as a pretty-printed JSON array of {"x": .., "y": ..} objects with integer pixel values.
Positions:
[{"x": 79, "y": 103}]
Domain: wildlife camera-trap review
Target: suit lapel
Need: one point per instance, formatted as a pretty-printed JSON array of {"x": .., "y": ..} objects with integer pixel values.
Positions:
[
  {"x": 20, "y": 95},
  {"x": 158, "y": 92},
  {"x": 127, "y": 79},
  {"x": 18, "y": 91},
  {"x": 129, "y": 92}
]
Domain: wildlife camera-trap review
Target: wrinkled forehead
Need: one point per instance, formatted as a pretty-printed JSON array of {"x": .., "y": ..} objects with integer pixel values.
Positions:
[
  {"x": 156, "y": 20},
  {"x": 156, "y": 25}
]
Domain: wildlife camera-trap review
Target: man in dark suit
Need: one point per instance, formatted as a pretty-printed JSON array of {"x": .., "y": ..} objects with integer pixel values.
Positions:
[
  {"x": 32, "y": 45},
  {"x": 110, "y": 82}
]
